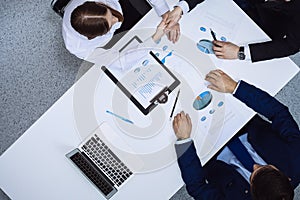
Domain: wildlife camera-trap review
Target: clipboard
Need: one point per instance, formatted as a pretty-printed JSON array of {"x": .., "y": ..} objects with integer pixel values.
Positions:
[{"x": 148, "y": 87}]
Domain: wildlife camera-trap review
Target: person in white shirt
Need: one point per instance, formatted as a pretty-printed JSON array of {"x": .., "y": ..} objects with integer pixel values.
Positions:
[{"x": 91, "y": 24}]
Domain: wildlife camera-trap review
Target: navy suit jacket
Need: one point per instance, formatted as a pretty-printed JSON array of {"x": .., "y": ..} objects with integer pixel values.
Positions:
[{"x": 277, "y": 142}]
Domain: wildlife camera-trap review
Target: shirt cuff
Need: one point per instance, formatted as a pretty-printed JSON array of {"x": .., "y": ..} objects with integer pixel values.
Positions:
[
  {"x": 235, "y": 89},
  {"x": 184, "y": 6},
  {"x": 247, "y": 53},
  {"x": 183, "y": 141}
]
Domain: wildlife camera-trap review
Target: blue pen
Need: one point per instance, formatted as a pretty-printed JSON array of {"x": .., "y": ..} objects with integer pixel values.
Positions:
[{"x": 120, "y": 117}]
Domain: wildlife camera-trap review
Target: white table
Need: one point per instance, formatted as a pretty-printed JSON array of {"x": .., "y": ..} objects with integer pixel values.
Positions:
[{"x": 35, "y": 167}]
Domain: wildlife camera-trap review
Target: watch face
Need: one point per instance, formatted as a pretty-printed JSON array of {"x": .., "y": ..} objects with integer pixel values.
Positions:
[{"x": 241, "y": 56}]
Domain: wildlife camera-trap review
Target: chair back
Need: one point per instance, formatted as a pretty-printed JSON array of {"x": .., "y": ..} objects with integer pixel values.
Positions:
[{"x": 59, "y": 6}]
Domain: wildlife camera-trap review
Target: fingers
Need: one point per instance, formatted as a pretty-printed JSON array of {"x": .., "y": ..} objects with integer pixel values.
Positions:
[
  {"x": 180, "y": 116},
  {"x": 170, "y": 23},
  {"x": 213, "y": 75},
  {"x": 162, "y": 25},
  {"x": 219, "y": 43},
  {"x": 219, "y": 48},
  {"x": 173, "y": 34},
  {"x": 165, "y": 16},
  {"x": 213, "y": 87},
  {"x": 174, "y": 16}
]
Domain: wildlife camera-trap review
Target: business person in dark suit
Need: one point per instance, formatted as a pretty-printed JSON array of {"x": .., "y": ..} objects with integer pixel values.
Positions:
[
  {"x": 280, "y": 19},
  {"x": 274, "y": 146}
]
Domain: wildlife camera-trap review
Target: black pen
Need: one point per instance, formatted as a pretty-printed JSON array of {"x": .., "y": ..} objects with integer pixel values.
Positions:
[
  {"x": 213, "y": 34},
  {"x": 174, "y": 104}
]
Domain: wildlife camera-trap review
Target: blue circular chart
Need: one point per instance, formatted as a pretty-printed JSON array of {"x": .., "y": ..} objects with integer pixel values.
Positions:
[
  {"x": 202, "y": 100},
  {"x": 206, "y": 46}
]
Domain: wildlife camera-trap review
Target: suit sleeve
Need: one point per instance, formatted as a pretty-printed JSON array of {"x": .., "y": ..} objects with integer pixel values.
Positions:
[
  {"x": 278, "y": 48},
  {"x": 192, "y": 3},
  {"x": 193, "y": 174},
  {"x": 263, "y": 103}
]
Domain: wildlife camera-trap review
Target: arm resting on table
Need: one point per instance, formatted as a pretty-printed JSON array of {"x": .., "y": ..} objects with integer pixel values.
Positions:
[
  {"x": 263, "y": 103},
  {"x": 273, "y": 49}
]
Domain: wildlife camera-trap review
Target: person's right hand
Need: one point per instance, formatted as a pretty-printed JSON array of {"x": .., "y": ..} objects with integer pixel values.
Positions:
[
  {"x": 220, "y": 81},
  {"x": 173, "y": 17},
  {"x": 182, "y": 125},
  {"x": 225, "y": 50}
]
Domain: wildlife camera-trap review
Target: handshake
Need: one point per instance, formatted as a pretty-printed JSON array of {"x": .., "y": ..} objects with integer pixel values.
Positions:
[{"x": 169, "y": 25}]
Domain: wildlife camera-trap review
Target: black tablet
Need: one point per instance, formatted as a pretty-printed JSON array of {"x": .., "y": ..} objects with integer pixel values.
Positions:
[{"x": 147, "y": 83}]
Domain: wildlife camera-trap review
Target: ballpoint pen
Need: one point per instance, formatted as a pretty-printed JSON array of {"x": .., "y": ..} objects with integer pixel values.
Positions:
[
  {"x": 174, "y": 105},
  {"x": 213, "y": 34},
  {"x": 120, "y": 117}
]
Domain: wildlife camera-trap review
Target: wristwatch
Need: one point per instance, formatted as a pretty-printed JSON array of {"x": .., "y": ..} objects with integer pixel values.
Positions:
[{"x": 241, "y": 54}]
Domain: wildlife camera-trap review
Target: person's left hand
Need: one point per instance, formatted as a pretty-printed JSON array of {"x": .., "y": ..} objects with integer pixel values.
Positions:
[
  {"x": 182, "y": 125},
  {"x": 220, "y": 81},
  {"x": 225, "y": 50},
  {"x": 160, "y": 31}
]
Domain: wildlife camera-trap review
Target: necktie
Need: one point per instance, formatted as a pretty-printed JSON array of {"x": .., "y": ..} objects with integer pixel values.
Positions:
[{"x": 241, "y": 153}]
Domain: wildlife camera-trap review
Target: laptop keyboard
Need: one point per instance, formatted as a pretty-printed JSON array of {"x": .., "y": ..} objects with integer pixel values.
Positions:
[
  {"x": 91, "y": 171},
  {"x": 106, "y": 160}
]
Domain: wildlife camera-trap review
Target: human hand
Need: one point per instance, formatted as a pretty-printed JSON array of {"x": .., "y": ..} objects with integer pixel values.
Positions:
[
  {"x": 173, "y": 33},
  {"x": 220, "y": 81},
  {"x": 160, "y": 31},
  {"x": 225, "y": 50},
  {"x": 173, "y": 17},
  {"x": 182, "y": 125}
]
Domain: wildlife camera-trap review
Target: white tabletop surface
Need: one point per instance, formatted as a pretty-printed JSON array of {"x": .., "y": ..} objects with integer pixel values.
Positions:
[{"x": 35, "y": 166}]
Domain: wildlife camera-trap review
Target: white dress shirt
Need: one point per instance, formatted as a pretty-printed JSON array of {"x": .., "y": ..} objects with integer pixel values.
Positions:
[
  {"x": 80, "y": 45},
  {"x": 228, "y": 157}
]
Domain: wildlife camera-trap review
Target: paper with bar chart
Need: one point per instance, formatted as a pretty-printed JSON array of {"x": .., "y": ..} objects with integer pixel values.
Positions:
[{"x": 145, "y": 81}]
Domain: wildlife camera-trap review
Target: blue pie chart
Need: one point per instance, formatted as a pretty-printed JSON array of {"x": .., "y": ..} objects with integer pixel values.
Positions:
[
  {"x": 202, "y": 100},
  {"x": 206, "y": 46}
]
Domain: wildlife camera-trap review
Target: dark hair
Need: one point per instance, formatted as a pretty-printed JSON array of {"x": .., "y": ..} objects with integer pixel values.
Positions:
[
  {"x": 88, "y": 19},
  {"x": 271, "y": 184}
]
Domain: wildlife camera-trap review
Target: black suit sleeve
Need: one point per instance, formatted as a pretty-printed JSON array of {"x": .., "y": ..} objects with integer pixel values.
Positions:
[
  {"x": 193, "y": 3},
  {"x": 280, "y": 46},
  {"x": 275, "y": 49}
]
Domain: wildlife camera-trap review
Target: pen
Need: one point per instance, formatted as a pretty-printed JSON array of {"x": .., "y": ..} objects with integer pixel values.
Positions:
[
  {"x": 174, "y": 104},
  {"x": 120, "y": 117},
  {"x": 213, "y": 34}
]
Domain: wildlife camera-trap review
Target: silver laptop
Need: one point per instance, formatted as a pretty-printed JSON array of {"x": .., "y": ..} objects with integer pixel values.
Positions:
[{"x": 106, "y": 166}]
